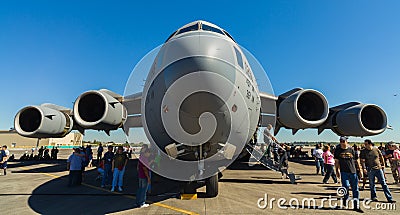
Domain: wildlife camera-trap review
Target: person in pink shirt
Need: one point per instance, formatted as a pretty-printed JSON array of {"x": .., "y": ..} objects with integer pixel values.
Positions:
[
  {"x": 396, "y": 159},
  {"x": 329, "y": 163},
  {"x": 144, "y": 178}
]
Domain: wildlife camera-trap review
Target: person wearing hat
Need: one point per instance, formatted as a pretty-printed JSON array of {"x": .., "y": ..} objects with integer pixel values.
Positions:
[
  {"x": 373, "y": 164},
  {"x": 345, "y": 163}
]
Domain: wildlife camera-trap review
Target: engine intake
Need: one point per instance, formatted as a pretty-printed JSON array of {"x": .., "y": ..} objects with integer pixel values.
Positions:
[
  {"x": 360, "y": 120},
  {"x": 302, "y": 108},
  {"x": 42, "y": 122},
  {"x": 98, "y": 109}
]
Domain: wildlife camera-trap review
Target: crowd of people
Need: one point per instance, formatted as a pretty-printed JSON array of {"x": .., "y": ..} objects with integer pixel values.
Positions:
[
  {"x": 111, "y": 167},
  {"x": 354, "y": 165},
  {"x": 350, "y": 165},
  {"x": 44, "y": 153}
]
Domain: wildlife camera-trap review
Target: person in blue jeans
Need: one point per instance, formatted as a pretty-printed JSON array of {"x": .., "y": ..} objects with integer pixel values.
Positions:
[
  {"x": 108, "y": 159},
  {"x": 372, "y": 163},
  {"x": 118, "y": 168},
  {"x": 2, "y": 158},
  {"x": 144, "y": 178},
  {"x": 319, "y": 161},
  {"x": 345, "y": 163}
]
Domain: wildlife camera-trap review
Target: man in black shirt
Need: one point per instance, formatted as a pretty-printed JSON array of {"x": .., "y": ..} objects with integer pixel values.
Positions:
[
  {"x": 373, "y": 164},
  {"x": 99, "y": 152},
  {"x": 345, "y": 163},
  {"x": 108, "y": 158}
]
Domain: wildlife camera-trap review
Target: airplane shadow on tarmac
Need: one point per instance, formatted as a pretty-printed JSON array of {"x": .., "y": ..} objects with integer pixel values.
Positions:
[
  {"x": 51, "y": 166},
  {"x": 55, "y": 197},
  {"x": 304, "y": 161}
]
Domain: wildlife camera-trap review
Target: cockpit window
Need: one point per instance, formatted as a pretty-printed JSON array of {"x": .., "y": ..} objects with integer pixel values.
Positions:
[
  {"x": 194, "y": 27},
  {"x": 227, "y": 34},
  {"x": 171, "y": 36},
  {"x": 239, "y": 58},
  {"x": 209, "y": 28}
]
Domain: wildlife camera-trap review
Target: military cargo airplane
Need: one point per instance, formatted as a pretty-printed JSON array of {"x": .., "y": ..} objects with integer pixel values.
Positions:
[{"x": 200, "y": 101}]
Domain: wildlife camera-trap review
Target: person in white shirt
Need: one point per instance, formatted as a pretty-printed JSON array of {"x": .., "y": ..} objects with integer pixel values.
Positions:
[
  {"x": 272, "y": 143},
  {"x": 319, "y": 161}
]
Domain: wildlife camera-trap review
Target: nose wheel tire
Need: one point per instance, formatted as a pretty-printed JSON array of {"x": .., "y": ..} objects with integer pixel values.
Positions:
[{"x": 212, "y": 186}]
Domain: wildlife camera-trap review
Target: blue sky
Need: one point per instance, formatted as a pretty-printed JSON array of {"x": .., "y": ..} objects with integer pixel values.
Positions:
[{"x": 51, "y": 51}]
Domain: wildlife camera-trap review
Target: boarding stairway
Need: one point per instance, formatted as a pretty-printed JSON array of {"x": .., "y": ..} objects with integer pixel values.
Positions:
[{"x": 257, "y": 155}]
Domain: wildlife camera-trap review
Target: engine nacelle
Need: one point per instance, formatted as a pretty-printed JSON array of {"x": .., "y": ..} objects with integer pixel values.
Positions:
[
  {"x": 42, "y": 122},
  {"x": 100, "y": 110},
  {"x": 359, "y": 120},
  {"x": 302, "y": 108}
]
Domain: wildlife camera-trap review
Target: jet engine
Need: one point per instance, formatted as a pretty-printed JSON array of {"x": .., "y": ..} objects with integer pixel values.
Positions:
[
  {"x": 301, "y": 108},
  {"x": 100, "y": 110},
  {"x": 42, "y": 122},
  {"x": 357, "y": 119}
]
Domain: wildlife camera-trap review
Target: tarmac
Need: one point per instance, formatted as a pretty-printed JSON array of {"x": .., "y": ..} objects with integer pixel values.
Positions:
[{"x": 33, "y": 187}]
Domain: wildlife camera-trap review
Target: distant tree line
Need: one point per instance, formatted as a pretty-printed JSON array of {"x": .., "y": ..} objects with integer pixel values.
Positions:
[{"x": 112, "y": 143}]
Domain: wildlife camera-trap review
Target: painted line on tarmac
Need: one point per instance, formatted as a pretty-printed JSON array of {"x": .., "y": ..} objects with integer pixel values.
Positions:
[
  {"x": 175, "y": 208},
  {"x": 156, "y": 203},
  {"x": 127, "y": 196}
]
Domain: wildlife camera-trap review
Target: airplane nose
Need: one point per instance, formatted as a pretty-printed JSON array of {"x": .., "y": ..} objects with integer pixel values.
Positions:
[
  {"x": 195, "y": 118},
  {"x": 188, "y": 101}
]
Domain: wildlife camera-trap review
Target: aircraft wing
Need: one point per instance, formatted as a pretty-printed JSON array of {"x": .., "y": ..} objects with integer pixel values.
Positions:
[
  {"x": 132, "y": 104},
  {"x": 268, "y": 109},
  {"x": 307, "y": 108}
]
